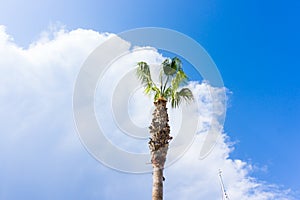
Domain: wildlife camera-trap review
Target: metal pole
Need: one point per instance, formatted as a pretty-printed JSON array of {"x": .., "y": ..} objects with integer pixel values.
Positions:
[{"x": 224, "y": 195}]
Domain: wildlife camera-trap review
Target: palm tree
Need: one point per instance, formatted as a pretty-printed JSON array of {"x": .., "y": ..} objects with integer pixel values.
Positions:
[{"x": 171, "y": 78}]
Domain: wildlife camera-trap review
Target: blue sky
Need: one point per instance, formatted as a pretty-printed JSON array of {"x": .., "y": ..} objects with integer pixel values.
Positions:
[{"x": 255, "y": 45}]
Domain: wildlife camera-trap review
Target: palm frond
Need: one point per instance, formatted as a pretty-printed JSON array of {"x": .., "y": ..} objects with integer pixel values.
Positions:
[
  {"x": 175, "y": 100},
  {"x": 144, "y": 75},
  {"x": 167, "y": 67},
  {"x": 180, "y": 78},
  {"x": 168, "y": 93},
  {"x": 176, "y": 64},
  {"x": 184, "y": 94}
]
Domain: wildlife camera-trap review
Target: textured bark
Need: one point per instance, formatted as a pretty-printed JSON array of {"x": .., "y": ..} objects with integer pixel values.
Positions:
[{"x": 158, "y": 144}]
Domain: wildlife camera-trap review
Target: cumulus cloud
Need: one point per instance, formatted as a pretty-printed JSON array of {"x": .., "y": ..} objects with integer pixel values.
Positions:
[{"x": 42, "y": 158}]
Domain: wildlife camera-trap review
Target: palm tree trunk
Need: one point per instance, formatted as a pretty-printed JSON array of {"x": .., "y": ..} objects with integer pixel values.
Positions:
[{"x": 158, "y": 144}]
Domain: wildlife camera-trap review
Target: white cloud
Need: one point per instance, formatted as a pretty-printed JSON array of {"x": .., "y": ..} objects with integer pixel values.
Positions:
[{"x": 40, "y": 148}]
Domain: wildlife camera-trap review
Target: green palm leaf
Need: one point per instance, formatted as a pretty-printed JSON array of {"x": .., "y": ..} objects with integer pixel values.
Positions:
[
  {"x": 176, "y": 64},
  {"x": 184, "y": 94},
  {"x": 180, "y": 78},
  {"x": 170, "y": 67},
  {"x": 167, "y": 67},
  {"x": 143, "y": 73}
]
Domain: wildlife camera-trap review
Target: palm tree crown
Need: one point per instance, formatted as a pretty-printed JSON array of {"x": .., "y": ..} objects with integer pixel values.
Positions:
[{"x": 171, "y": 78}]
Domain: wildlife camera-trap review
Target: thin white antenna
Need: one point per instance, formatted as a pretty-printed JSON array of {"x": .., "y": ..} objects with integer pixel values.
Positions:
[{"x": 224, "y": 193}]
